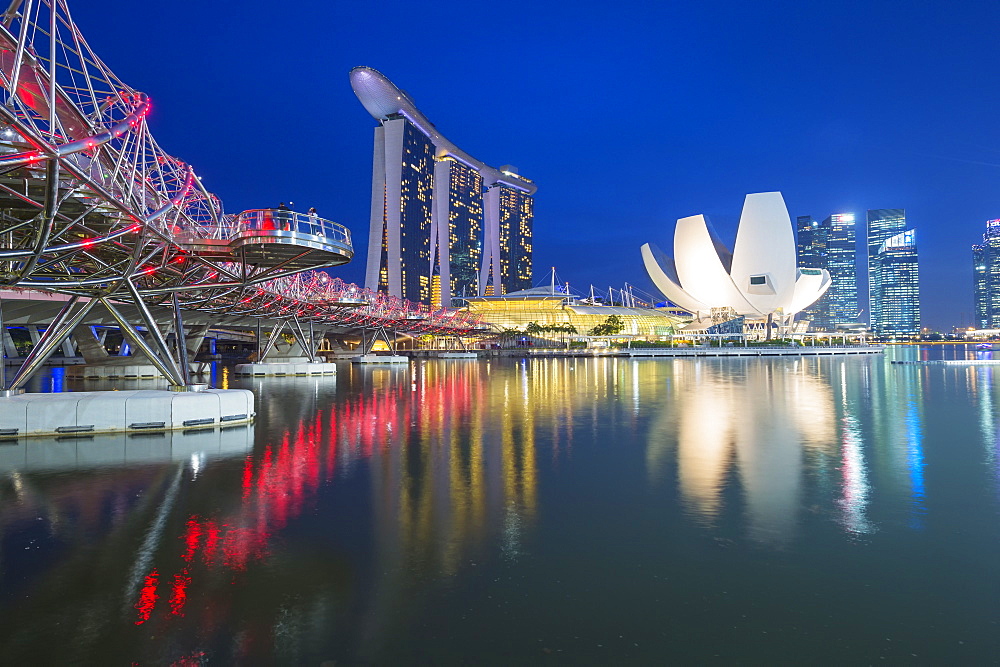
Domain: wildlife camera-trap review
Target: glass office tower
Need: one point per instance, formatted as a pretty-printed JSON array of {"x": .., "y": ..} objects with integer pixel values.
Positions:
[
  {"x": 841, "y": 262},
  {"x": 893, "y": 274},
  {"x": 882, "y": 223},
  {"x": 986, "y": 276},
  {"x": 830, "y": 245},
  {"x": 811, "y": 251}
]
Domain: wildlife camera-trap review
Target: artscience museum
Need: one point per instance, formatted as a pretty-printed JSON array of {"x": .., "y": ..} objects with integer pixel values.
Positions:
[{"x": 758, "y": 280}]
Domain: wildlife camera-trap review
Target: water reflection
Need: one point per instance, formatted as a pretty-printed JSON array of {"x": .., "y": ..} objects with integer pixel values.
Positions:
[
  {"x": 778, "y": 429},
  {"x": 369, "y": 497},
  {"x": 757, "y": 418}
]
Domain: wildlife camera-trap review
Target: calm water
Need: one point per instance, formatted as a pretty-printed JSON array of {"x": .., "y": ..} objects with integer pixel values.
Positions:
[{"x": 554, "y": 511}]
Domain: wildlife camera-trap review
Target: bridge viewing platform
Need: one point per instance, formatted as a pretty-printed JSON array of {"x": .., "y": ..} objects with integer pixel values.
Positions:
[{"x": 272, "y": 238}]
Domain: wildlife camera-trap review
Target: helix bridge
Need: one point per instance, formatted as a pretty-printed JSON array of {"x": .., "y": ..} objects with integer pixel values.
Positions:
[{"x": 91, "y": 207}]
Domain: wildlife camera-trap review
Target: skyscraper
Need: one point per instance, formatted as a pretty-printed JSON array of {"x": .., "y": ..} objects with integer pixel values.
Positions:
[
  {"x": 830, "y": 245},
  {"x": 443, "y": 224},
  {"x": 457, "y": 251},
  {"x": 893, "y": 274},
  {"x": 811, "y": 254},
  {"x": 986, "y": 277},
  {"x": 841, "y": 262},
  {"x": 399, "y": 247},
  {"x": 507, "y": 255}
]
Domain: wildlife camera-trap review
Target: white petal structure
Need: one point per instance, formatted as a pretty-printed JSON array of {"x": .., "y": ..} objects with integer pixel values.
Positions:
[{"x": 758, "y": 279}]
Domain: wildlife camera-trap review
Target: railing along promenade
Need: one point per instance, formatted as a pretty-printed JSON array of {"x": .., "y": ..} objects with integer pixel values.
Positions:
[{"x": 93, "y": 208}]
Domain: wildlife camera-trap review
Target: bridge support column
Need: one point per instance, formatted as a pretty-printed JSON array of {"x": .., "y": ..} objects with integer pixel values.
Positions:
[
  {"x": 91, "y": 346},
  {"x": 68, "y": 347},
  {"x": 3, "y": 348},
  {"x": 159, "y": 343},
  {"x": 165, "y": 365},
  {"x": 305, "y": 343},
  {"x": 272, "y": 341},
  {"x": 182, "y": 353},
  {"x": 8, "y": 345},
  {"x": 64, "y": 323},
  {"x": 380, "y": 332},
  {"x": 193, "y": 339}
]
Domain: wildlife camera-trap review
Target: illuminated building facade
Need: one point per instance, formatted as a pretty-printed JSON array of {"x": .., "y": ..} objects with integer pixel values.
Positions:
[
  {"x": 442, "y": 222},
  {"x": 458, "y": 228},
  {"x": 507, "y": 261},
  {"x": 760, "y": 278},
  {"x": 986, "y": 276},
  {"x": 898, "y": 293},
  {"x": 893, "y": 274},
  {"x": 811, "y": 251},
  {"x": 403, "y": 178},
  {"x": 831, "y": 245},
  {"x": 543, "y": 306}
]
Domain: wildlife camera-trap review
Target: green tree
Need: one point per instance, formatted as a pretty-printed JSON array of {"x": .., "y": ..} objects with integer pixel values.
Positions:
[{"x": 612, "y": 326}]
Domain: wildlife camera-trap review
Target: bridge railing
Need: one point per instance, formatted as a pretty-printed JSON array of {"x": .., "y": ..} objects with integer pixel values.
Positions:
[{"x": 267, "y": 219}]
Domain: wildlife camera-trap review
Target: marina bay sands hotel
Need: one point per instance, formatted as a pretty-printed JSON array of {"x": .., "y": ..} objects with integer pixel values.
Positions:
[{"x": 443, "y": 224}]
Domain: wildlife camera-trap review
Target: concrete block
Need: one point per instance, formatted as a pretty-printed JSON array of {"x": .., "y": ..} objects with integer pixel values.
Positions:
[
  {"x": 13, "y": 415},
  {"x": 104, "y": 409},
  {"x": 146, "y": 408},
  {"x": 235, "y": 405},
  {"x": 52, "y": 413},
  {"x": 192, "y": 409}
]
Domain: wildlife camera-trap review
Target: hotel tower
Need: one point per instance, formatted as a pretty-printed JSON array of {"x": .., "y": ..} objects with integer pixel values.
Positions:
[{"x": 443, "y": 225}]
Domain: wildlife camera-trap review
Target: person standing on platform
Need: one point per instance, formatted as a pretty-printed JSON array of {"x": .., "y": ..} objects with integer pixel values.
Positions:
[{"x": 283, "y": 216}]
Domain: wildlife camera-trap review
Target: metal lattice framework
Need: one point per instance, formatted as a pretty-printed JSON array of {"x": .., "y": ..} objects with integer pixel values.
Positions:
[{"x": 92, "y": 206}]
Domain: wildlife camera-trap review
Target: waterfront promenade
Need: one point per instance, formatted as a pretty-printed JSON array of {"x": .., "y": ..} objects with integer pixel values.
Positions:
[{"x": 689, "y": 352}]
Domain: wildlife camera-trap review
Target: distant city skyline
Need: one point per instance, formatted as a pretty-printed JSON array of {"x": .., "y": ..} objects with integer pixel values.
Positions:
[{"x": 773, "y": 101}]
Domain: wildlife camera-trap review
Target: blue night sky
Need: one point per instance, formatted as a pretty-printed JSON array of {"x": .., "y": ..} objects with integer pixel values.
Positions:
[{"x": 627, "y": 115}]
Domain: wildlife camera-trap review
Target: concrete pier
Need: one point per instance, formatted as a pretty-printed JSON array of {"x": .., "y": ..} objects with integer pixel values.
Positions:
[
  {"x": 278, "y": 369},
  {"x": 138, "y": 410},
  {"x": 114, "y": 371},
  {"x": 380, "y": 359}
]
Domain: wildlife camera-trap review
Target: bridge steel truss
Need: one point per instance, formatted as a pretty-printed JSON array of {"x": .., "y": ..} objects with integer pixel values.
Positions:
[{"x": 92, "y": 207}]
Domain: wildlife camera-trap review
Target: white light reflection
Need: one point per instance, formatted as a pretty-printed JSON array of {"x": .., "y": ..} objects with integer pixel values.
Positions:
[
  {"x": 758, "y": 418},
  {"x": 854, "y": 477},
  {"x": 635, "y": 387}
]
